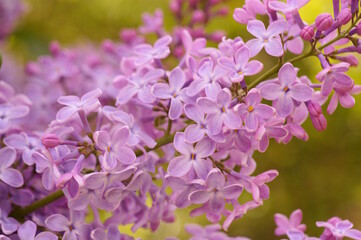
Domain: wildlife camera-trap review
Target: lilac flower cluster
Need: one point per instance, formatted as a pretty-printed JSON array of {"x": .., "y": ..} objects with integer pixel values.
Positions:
[
  {"x": 335, "y": 228},
  {"x": 139, "y": 129}
]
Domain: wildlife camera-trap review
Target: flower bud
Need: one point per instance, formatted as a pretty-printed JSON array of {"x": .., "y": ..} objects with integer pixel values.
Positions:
[
  {"x": 319, "y": 122},
  {"x": 324, "y": 21},
  {"x": 50, "y": 140},
  {"x": 358, "y": 29},
  {"x": 314, "y": 108},
  {"x": 217, "y": 36},
  {"x": 307, "y": 33},
  {"x": 344, "y": 16},
  {"x": 198, "y": 16},
  {"x": 54, "y": 48},
  {"x": 350, "y": 59}
]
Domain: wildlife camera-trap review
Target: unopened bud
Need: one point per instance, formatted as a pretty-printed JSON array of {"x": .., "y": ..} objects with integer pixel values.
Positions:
[
  {"x": 314, "y": 108},
  {"x": 344, "y": 16},
  {"x": 198, "y": 16},
  {"x": 324, "y": 21},
  {"x": 307, "y": 33},
  {"x": 50, "y": 140},
  {"x": 319, "y": 122}
]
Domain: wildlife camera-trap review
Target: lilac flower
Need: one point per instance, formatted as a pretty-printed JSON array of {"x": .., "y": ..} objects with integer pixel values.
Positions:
[
  {"x": 195, "y": 132},
  {"x": 334, "y": 76},
  {"x": 192, "y": 47},
  {"x": 114, "y": 147},
  {"x": 112, "y": 233},
  {"x": 87, "y": 103},
  {"x": 27, "y": 231},
  {"x": 138, "y": 84},
  {"x": 9, "y": 175},
  {"x": 253, "y": 111},
  {"x": 49, "y": 169},
  {"x": 290, "y": 7},
  {"x": 173, "y": 91},
  {"x": 206, "y": 78},
  {"x": 8, "y": 224},
  {"x": 210, "y": 232},
  {"x": 9, "y": 113},
  {"x": 137, "y": 134},
  {"x": 192, "y": 157},
  {"x": 220, "y": 112},
  {"x": 216, "y": 191},
  {"x": 286, "y": 226},
  {"x": 340, "y": 229},
  {"x": 286, "y": 90},
  {"x": 239, "y": 66},
  {"x": 73, "y": 229},
  {"x": 266, "y": 38},
  {"x": 25, "y": 144},
  {"x": 183, "y": 189},
  {"x": 147, "y": 53},
  {"x": 249, "y": 11},
  {"x": 344, "y": 97},
  {"x": 152, "y": 23}
]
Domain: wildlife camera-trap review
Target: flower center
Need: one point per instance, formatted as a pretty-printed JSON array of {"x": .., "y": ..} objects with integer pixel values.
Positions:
[
  {"x": 286, "y": 89},
  {"x": 193, "y": 156},
  {"x": 108, "y": 148},
  {"x": 250, "y": 109},
  {"x": 223, "y": 110}
]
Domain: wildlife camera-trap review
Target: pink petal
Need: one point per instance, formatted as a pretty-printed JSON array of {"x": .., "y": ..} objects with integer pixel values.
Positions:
[
  {"x": 12, "y": 177},
  {"x": 194, "y": 133},
  {"x": 180, "y": 144},
  {"x": 162, "y": 91},
  {"x": 57, "y": 222},
  {"x": 255, "y": 46},
  {"x": 271, "y": 91},
  {"x": 252, "y": 68},
  {"x": 287, "y": 74},
  {"x": 232, "y": 191},
  {"x": 284, "y": 105},
  {"x": 205, "y": 147},
  {"x": 276, "y": 28}
]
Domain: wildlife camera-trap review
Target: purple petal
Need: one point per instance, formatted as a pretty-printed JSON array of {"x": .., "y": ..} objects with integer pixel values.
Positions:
[
  {"x": 264, "y": 111},
  {"x": 195, "y": 87},
  {"x": 232, "y": 191},
  {"x": 284, "y": 105},
  {"x": 216, "y": 203},
  {"x": 327, "y": 86},
  {"x": 145, "y": 94},
  {"x": 7, "y": 157},
  {"x": 296, "y": 217},
  {"x": 65, "y": 113},
  {"x": 215, "y": 124},
  {"x": 27, "y": 230},
  {"x": 162, "y": 91},
  {"x": 242, "y": 56},
  {"x": 180, "y": 144},
  {"x": 12, "y": 177},
  {"x": 232, "y": 120},
  {"x": 274, "y": 47},
  {"x": 252, "y": 68},
  {"x": 176, "y": 109},
  {"x": 353, "y": 233},
  {"x": 194, "y": 133},
  {"x": 179, "y": 166},
  {"x": 199, "y": 196},
  {"x": 251, "y": 122},
  {"x": 194, "y": 112},
  {"x": 177, "y": 79},
  {"x": 256, "y": 28},
  {"x": 227, "y": 63},
  {"x": 207, "y": 105},
  {"x": 224, "y": 98},
  {"x": 301, "y": 92},
  {"x": 102, "y": 139},
  {"x": 205, "y": 147},
  {"x": 17, "y": 141},
  {"x": 271, "y": 91},
  {"x": 253, "y": 97},
  {"x": 125, "y": 94},
  {"x": 202, "y": 167},
  {"x": 276, "y": 28},
  {"x": 255, "y": 46},
  {"x": 57, "y": 222},
  {"x": 46, "y": 236},
  {"x": 278, "y": 6},
  {"x": 287, "y": 74},
  {"x": 215, "y": 179},
  {"x": 126, "y": 155},
  {"x": 68, "y": 100}
]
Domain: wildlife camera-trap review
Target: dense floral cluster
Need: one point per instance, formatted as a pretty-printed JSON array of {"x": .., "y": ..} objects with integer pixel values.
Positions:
[{"x": 140, "y": 129}]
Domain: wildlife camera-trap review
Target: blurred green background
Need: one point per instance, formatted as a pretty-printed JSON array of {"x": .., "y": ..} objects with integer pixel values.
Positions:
[{"x": 321, "y": 176}]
